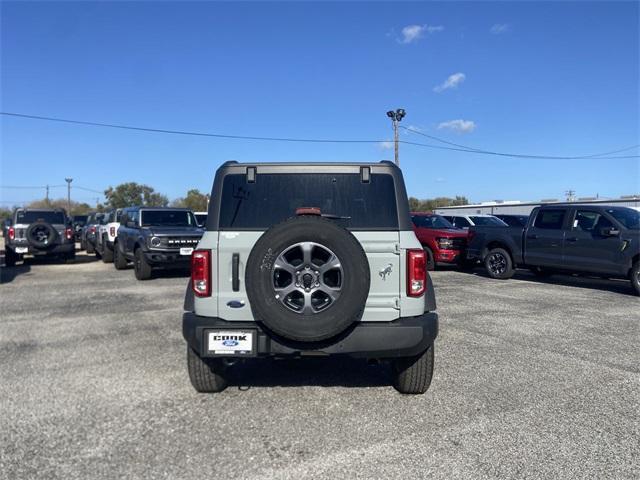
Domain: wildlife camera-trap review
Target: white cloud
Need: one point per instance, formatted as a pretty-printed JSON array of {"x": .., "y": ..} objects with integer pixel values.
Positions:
[
  {"x": 388, "y": 145},
  {"x": 459, "y": 126},
  {"x": 499, "y": 28},
  {"x": 412, "y": 33},
  {"x": 452, "y": 82}
]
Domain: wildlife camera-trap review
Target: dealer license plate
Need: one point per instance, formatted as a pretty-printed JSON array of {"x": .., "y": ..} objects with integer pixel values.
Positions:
[
  {"x": 22, "y": 249},
  {"x": 186, "y": 251},
  {"x": 230, "y": 342}
]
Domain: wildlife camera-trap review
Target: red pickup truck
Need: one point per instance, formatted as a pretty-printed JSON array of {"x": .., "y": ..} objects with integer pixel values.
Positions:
[{"x": 442, "y": 242}]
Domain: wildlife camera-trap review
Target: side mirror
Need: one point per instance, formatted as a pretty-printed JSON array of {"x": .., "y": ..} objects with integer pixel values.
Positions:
[{"x": 609, "y": 232}]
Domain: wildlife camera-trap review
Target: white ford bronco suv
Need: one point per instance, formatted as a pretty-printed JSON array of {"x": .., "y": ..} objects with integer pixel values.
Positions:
[{"x": 308, "y": 259}]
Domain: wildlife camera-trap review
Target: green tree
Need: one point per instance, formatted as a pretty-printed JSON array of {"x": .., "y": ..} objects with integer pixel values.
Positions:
[
  {"x": 195, "y": 200},
  {"x": 5, "y": 213},
  {"x": 77, "y": 208},
  {"x": 134, "y": 194},
  {"x": 425, "y": 205}
]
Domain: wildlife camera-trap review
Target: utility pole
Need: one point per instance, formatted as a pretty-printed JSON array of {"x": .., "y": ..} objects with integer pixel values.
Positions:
[
  {"x": 396, "y": 117},
  {"x": 68, "y": 180},
  {"x": 47, "y": 196},
  {"x": 571, "y": 195}
]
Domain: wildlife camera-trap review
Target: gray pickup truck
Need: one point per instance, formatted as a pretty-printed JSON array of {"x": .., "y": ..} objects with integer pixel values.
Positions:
[{"x": 597, "y": 240}]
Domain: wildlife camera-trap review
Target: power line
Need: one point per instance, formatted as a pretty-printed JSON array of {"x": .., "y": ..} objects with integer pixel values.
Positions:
[
  {"x": 461, "y": 148},
  {"x": 518, "y": 155}
]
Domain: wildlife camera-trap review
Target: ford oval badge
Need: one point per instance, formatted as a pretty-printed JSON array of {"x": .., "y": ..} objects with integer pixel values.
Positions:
[
  {"x": 235, "y": 303},
  {"x": 230, "y": 343}
]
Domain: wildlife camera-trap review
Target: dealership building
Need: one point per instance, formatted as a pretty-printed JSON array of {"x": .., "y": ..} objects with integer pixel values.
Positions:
[{"x": 524, "y": 208}]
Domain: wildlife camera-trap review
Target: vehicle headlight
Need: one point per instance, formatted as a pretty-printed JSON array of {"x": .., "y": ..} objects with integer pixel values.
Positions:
[
  {"x": 445, "y": 243},
  {"x": 155, "y": 241}
]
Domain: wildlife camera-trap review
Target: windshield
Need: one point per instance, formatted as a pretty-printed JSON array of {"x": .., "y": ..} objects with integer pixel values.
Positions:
[
  {"x": 477, "y": 220},
  {"x": 168, "y": 218},
  {"x": 626, "y": 216},
  {"x": 36, "y": 216},
  {"x": 431, "y": 221}
]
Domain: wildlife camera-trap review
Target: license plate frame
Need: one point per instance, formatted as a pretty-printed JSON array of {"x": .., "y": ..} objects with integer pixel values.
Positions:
[
  {"x": 21, "y": 250},
  {"x": 186, "y": 250},
  {"x": 214, "y": 347}
]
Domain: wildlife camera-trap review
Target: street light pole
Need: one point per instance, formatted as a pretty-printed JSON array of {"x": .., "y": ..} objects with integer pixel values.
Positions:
[
  {"x": 395, "y": 118},
  {"x": 68, "y": 180}
]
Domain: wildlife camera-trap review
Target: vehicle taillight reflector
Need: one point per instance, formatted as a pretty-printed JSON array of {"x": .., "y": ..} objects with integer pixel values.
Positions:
[
  {"x": 68, "y": 233},
  {"x": 12, "y": 233},
  {"x": 201, "y": 273},
  {"x": 416, "y": 273},
  {"x": 92, "y": 230}
]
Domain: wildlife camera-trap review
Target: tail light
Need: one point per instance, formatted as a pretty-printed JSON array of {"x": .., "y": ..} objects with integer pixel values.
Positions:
[
  {"x": 92, "y": 230},
  {"x": 201, "y": 273},
  {"x": 68, "y": 233},
  {"x": 416, "y": 273},
  {"x": 12, "y": 233},
  {"x": 112, "y": 231}
]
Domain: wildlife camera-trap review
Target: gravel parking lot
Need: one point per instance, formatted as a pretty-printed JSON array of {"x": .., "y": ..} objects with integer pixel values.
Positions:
[{"x": 533, "y": 379}]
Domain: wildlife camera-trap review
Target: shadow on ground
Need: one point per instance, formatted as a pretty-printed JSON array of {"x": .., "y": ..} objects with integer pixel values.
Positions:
[
  {"x": 8, "y": 274},
  {"x": 579, "y": 281},
  {"x": 305, "y": 372}
]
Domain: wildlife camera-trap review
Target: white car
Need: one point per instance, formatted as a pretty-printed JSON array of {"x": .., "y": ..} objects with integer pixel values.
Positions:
[
  {"x": 466, "y": 221},
  {"x": 106, "y": 235}
]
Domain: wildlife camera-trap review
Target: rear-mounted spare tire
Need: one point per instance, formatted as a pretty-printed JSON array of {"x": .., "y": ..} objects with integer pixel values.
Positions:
[
  {"x": 41, "y": 235},
  {"x": 307, "y": 279}
]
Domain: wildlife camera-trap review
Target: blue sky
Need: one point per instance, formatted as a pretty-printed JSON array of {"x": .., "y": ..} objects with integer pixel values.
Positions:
[{"x": 528, "y": 77}]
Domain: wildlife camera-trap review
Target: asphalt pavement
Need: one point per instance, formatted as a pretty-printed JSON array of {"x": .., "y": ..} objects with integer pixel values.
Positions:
[{"x": 533, "y": 379}]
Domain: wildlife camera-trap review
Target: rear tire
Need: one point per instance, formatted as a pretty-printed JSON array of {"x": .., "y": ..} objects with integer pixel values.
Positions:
[
  {"x": 70, "y": 257},
  {"x": 498, "y": 264},
  {"x": 634, "y": 277},
  {"x": 10, "y": 257},
  {"x": 207, "y": 375},
  {"x": 90, "y": 248},
  {"x": 119, "y": 260},
  {"x": 141, "y": 267},
  {"x": 412, "y": 375},
  {"x": 107, "y": 254},
  {"x": 431, "y": 263}
]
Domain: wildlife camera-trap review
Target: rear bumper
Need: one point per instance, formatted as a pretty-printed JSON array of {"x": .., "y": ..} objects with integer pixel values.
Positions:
[
  {"x": 401, "y": 338},
  {"x": 54, "y": 250}
]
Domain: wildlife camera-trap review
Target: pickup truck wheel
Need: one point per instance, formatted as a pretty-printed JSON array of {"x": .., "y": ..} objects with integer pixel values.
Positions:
[
  {"x": 207, "y": 375},
  {"x": 412, "y": 375},
  {"x": 499, "y": 264},
  {"x": 119, "y": 260},
  {"x": 141, "y": 268},
  {"x": 635, "y": 277},
  {"x": 431, "y": 264},
  {"x": 107, "y": 254}
]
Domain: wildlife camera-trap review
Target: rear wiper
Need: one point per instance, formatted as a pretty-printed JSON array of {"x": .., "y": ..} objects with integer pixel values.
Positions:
[{"x": 334, "y": 216}]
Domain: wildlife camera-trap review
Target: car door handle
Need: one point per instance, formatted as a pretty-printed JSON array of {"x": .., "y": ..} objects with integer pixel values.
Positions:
[
  {"x": 572, "y": 239},
  {"x": 533, "y": 236}
]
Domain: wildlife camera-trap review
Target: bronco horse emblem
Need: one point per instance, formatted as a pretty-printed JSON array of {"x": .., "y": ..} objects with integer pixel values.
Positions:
[{"x": 385, "y": 271}]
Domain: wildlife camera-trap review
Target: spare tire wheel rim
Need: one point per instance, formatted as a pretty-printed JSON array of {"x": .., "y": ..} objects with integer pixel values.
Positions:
[
  {"x": 40, "y": 234},
  {"x": 307, "y": 278}
]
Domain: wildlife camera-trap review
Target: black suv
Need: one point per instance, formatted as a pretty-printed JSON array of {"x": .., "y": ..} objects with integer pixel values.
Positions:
[
  {"x": 40, "y": 232},
  {"x": 155, "y": 238}
]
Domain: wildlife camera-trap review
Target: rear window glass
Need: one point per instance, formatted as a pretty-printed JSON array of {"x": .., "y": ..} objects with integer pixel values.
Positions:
[
  {"x": 274, "y": 198},
  {"x": 550, "y": 219},
  {"x": 626, "y": 216},
  {"x": 35, "y": 216},
  {"x": 167, "y": 218},
  {"x": 488, "y": 221}
]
